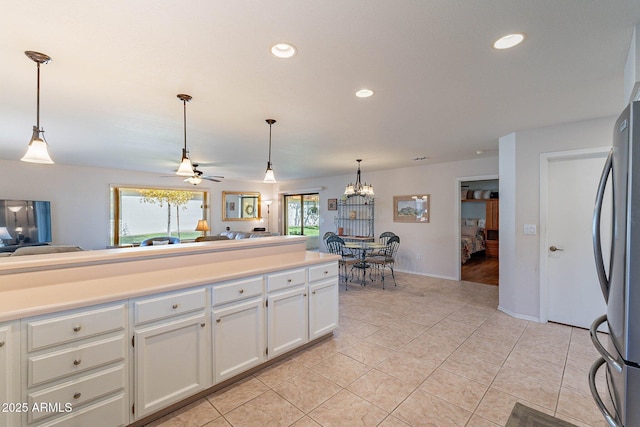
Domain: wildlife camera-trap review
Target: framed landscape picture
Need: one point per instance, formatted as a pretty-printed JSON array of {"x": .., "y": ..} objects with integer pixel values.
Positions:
[
  {"x": 411, "y": 208},
  {"x": 332, "y": 204}
]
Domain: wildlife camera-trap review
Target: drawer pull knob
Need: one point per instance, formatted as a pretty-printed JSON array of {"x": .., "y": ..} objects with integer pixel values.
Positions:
[
  {"x": 314, "y": 292},
  {"x": 174, "y": 306},
  {"x": 304, "y": 295},
  {"x": 326, "y": 272},
  {"x": 218, "y": 320},
  {"x": 77, "y": 362},
  {"x": 241, "y": 291},
  {"x": 77, "y": 395},
  {"x": 288, "y": 280},
  {"x": 77, "y": 328},
  {"x": 203, "y": 324},
  {"x": 1, "y": 343}
]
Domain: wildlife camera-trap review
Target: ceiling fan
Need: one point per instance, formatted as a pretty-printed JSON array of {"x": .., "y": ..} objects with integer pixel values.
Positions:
[{"x": 197, "y": 177}]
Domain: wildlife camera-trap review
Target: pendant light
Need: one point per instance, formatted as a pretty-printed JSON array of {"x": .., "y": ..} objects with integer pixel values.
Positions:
[
  {"x": 185, "y": 168},
  {"x": 269, "y": 177},
  {"x": 38, "y": 151},
  {"x": 359, "y": 189}
]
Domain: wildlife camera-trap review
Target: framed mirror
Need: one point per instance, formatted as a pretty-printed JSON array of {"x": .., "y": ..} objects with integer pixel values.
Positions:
[{"x": 240, "y": 206}]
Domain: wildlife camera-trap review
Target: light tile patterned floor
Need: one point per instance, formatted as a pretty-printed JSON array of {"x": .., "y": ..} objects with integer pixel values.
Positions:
[{"x": 429, "y": 352}]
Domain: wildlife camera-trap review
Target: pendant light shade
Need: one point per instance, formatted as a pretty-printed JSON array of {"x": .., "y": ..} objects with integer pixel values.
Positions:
[
  {"x": 185, "y": 168},
  {"x": 38, "y": 150},
  {"x": 269, "y": 177}
]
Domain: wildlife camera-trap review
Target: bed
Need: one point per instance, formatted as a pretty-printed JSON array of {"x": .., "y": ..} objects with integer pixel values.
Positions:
[{"x": 471, "y": 241}]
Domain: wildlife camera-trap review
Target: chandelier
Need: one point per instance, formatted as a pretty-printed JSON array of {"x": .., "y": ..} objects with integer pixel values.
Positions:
[{"x": 359, "y": 189}]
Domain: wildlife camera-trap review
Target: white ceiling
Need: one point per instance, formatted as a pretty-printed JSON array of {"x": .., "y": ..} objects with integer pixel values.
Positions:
[{"x": 108, "y": 97}]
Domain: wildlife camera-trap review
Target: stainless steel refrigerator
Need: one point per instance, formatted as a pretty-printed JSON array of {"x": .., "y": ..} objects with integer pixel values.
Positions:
[{"x": 620, "y": 280}]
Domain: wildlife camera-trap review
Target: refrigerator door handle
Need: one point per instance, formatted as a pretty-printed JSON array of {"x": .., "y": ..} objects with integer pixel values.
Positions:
[
  {"x": 596, "y": 396},
  {"x": 597, "y": 212},
  {"x": 593, "y": 331}
]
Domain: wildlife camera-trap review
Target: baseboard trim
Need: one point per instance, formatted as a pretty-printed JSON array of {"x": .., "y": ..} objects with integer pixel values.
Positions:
[
  {"x": 519, "y": 316},
  {"x": 435, "y": 276}
]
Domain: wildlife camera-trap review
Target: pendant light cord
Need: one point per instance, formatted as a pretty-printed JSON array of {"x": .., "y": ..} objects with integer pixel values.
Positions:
[
  {"x": 38, "y": 100},
  {"x": 270, "y": 124},
  {"x": 184, "y": 102}
]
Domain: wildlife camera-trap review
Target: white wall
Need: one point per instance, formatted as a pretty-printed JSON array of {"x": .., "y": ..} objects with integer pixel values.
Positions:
[
  {"x": 429, "y": 249},
  {"x": 80, "y": 198},
  {"x": 520, "y": 204}
]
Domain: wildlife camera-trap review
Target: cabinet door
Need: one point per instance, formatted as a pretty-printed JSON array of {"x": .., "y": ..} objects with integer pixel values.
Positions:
[
  {"x": 493, "y": 215},
  {"x": 238, "y": 338},
  {"x": 323, "y": 308},
  {"x": 286, "y": 320},
  {"x": 9, "y": 374},
  {"x": 171, "y": 363}
]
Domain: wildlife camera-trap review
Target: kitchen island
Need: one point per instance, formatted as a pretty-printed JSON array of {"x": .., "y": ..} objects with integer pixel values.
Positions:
[{"x": 124, "y": 335}]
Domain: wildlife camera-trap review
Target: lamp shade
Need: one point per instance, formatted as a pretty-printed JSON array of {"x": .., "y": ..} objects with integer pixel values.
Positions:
[
  {"x": 185, "y": 168},
  {"x": 202, "y": 225},
  {"x": 38, "y": 151},
  {"x": 4, "y": 234},
  {"x": 269, "y": 177}
]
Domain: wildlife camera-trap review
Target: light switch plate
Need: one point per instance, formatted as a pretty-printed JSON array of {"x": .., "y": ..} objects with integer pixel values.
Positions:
[{"x": 529, "y": 229}]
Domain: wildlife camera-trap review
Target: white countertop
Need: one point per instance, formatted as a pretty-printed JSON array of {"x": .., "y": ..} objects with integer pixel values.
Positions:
[{"x": 42, "y": 284}]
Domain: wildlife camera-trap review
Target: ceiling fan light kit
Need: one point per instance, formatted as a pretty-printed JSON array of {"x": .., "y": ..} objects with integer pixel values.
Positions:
[
  {"x": 185, "y": 168},
  {"x": 38, "y": 150}
]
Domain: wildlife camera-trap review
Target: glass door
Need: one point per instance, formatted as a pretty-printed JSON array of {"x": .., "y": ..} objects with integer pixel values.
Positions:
[{"x": 301, "y": 217}]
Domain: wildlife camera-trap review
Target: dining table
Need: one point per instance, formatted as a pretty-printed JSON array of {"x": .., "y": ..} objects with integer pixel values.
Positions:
[{"x": 361, "y": 249}]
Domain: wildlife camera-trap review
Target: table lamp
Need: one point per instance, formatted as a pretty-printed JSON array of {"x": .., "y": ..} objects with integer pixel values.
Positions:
[{"x": 202, "y": 226}]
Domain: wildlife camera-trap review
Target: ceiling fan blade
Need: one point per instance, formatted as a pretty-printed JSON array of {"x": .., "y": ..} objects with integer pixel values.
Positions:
[{"x": 211, "y": 179}]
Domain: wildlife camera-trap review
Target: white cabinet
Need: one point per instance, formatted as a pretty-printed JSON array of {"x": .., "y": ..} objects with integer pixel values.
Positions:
[
  {"x": 171, "y": 351},
  {"x": 286, "y": 320},
  {"x": 323, "y": 308},
  {"x": 9, "y": 373},
  {"x": 238, "y": 337},
  {"x": 74, "y": 366}
]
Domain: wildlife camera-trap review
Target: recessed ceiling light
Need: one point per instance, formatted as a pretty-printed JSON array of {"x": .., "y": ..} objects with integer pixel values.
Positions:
[
  {"x": 479, "y": 152},
  {"x": 283, "y": 50},
  {"x": 509, "y": 41},
  {"x": 364, "y": 93}
]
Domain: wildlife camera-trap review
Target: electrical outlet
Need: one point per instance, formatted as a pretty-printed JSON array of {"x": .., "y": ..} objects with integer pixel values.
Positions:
[{"x": 529, "y": 229}]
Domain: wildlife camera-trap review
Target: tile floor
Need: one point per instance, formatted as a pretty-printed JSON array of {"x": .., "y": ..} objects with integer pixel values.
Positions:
[{"x": 429, "y": 352}]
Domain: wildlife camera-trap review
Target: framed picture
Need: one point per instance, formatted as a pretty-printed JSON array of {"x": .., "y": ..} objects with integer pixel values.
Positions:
[
  {"x": 411, "y": 208},
  {"x": 332, "y": 204}
]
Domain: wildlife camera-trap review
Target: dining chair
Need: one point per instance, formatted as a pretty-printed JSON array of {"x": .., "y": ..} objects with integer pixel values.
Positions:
[
  {"x": 326, "y": 235},
  {"x": 335, "y": 245},
  {"x": 384, "y": 238},
  {"x": 387, "y": 259}
]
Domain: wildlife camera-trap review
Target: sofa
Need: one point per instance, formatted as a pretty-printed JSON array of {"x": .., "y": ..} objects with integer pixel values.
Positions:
[
  {"x": 44, "y": 249},
  {"x": 246, "y": 234}
]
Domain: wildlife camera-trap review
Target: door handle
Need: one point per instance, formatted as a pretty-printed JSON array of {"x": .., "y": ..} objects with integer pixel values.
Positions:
[{"x": 553, "y": 249}]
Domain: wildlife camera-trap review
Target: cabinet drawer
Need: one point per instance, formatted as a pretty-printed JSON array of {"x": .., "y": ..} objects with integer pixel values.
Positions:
[
  {"x": 58, "y": 364},
  {"x": 111, "y": 412},
  {"x": 234, "y": 291},
  {"x": 166, "y": 306},
  {"x": 324, "y": 271},
  {"x": 78, "y": 392},
  {"x": 285, "y": 280},
  {"x": 64, "y": 329}
]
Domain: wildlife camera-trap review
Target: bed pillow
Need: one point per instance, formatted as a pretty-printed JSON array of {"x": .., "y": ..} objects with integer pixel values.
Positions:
[
  {"x": 468, "y": 230},
  {"x": 471, "y": 222},
  {"x": 160, "y": 242},
  {"x": 482, "y": 222}
]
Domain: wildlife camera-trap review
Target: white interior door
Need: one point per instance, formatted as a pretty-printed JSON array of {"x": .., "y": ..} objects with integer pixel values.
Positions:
[{"x": 573, "y": 293}]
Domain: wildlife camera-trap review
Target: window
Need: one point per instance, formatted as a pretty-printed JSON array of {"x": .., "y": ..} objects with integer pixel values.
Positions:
[
  {"x": 302, "y": 217},
  {"x": 141, "y": 213}
]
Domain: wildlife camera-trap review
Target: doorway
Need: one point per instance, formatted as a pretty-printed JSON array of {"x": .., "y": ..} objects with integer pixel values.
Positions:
[
  {"x": 302, "y": 217},
  {"x": 569, "y": 288},
  {"x": 479, "y": 231}
]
